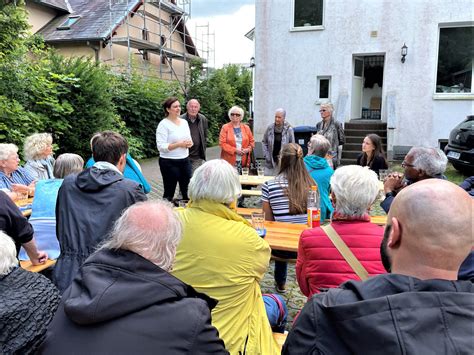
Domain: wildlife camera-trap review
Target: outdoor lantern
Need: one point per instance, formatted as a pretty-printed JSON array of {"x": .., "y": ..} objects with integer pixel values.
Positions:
[
  {"x": 252, "y": 62},
  {"x": 404, "y": 52}
]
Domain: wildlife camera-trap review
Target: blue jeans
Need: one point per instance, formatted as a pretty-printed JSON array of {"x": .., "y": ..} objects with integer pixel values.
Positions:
[{"x": 281, "y": 267}]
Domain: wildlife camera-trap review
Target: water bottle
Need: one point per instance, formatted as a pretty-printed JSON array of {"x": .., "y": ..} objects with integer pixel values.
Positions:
[{"x": 313, "y": 208}]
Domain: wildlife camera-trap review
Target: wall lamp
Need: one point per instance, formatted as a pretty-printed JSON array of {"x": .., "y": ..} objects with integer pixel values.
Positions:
[
  {"x": 404, "y": 52},
  {"x": 252, "y": 62}
]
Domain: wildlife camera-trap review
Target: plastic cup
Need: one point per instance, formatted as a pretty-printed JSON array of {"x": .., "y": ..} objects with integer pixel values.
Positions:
[
  {"x": 245, "y": 173},
  {"x": 258, "y": 222},
  {"x": 260, "y": 172}
]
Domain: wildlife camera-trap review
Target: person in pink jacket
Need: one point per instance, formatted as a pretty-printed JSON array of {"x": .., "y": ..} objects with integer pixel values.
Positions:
[{"x": 320, "y": 265}]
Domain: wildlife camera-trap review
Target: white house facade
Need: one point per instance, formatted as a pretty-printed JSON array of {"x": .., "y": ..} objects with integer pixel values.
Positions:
[{"x": 407, "y": 63}]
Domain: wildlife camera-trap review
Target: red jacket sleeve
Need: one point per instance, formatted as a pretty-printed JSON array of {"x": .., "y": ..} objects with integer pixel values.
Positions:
[{"x": 301, "y": 268}]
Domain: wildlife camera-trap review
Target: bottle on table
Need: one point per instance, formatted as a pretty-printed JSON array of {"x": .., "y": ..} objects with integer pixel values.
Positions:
[{"x": 313, "y": 208}]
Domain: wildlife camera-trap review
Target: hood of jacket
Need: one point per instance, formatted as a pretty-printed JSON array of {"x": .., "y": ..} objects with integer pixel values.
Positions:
[
  {"x": 114, "y": 283},
  {"x": 396, "y": 311},
  {"x": 94, "y": 179},
  {"x": 314, "y": 162}
]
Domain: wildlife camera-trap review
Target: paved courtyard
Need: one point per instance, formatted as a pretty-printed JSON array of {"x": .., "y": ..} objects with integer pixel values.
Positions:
[{"x": 294, "y": 298}]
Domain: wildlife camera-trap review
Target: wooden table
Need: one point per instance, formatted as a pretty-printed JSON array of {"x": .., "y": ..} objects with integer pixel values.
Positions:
[
  {"x": 21, "y": 203},
  {"x": 254, "y": 180},
  {"x": 283, "y": 236},
  {"x": 26, "y": 264}
]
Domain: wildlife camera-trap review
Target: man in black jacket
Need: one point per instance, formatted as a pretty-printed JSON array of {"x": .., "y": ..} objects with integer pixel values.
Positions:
[
  {"x": 419, "y": 308},
  {"x": 198, "y": 125},
  {"x": 13, "y": 223},
  {"x": 125, "y": 301},
  {"x": 89, "y": 203}
]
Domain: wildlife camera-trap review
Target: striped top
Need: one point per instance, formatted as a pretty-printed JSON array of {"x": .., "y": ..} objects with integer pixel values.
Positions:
[
  {"x": 273, "y": 193},
  {"x": 19, "y": 176}
]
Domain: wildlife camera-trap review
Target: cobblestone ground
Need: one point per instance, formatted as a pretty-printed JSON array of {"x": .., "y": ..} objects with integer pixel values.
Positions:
[{"x": 295, "y": 300}]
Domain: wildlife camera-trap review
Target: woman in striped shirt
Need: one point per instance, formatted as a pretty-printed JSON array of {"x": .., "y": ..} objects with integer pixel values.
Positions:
[{"x": 284, "y": 200}]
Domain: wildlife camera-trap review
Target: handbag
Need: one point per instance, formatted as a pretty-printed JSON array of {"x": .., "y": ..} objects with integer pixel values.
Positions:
[{"x": 346, "y": 253}]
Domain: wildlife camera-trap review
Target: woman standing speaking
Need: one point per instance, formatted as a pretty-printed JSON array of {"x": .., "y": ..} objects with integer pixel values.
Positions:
[{"x": 173, "y": 140}]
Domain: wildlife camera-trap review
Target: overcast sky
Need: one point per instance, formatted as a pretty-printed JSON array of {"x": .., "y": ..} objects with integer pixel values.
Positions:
[{"x": 230, "y": 20}]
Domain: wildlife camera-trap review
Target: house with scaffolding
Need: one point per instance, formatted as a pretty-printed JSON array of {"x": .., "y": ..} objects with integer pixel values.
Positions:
[{"x": 147, "y": 36}]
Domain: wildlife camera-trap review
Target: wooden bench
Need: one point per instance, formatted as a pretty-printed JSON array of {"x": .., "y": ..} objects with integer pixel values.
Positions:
[
  {"x": 251, "y": 192},
  {"x": 280, "y": 338},
  {"x": 247, "y": 212},
  {"x": 26, "y": 264}
]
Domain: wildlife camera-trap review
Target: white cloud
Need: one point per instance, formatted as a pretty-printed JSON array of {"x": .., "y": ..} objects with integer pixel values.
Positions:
[{"x": 231, "y": 46}]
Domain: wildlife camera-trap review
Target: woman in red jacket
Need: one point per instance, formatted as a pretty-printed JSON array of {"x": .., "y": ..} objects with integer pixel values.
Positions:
[
  {"x": 320, "y": 265},
  {"x": 236, "y": 140}
]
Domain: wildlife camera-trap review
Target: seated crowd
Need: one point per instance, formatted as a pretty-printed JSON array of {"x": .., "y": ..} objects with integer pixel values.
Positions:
[{"x": 138, "y": 276}]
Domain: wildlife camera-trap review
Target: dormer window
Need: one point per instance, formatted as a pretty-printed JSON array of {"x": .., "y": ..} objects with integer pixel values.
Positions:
[{"x": 66, "y": 25}]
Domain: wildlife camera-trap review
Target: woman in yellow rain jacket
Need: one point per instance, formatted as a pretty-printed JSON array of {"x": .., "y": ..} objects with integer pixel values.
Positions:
[{"x": 222, "y": 256}]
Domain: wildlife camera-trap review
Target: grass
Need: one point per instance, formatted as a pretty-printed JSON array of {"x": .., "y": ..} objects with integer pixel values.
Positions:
[{"x": 452, "y": 174}]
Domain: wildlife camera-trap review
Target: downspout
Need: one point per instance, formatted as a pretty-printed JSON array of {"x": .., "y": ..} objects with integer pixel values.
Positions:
[{"x": 96, "y": 50}]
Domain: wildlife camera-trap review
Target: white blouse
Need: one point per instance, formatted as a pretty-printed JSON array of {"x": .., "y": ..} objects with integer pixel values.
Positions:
[{"x": 168, "y": 132}]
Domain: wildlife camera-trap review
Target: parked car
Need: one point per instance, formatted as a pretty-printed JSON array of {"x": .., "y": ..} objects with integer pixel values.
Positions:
[{"x": 460, "y": 148}]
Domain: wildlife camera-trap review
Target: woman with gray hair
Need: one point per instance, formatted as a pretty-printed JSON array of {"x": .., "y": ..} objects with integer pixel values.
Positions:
[
  {"x": 38, "y": 153},
  {"x": 320, "y": 171},
  {"x": 332, "y": 130},
  {"x": 29, "y": 301},
  {"x": 236, "y": 140},
  {"x": 319, "y": 265},
  {"x": 15, "y": 181},
  {"x": 43, "y": 215},
  {"x": 222, "y": 256},
  {"x": 275, "y": 137}
]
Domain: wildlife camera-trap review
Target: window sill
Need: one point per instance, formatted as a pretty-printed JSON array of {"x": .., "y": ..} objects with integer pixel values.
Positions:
[
  {"x": 453, "y": 96},
  {"x": 307, "y": 28}
]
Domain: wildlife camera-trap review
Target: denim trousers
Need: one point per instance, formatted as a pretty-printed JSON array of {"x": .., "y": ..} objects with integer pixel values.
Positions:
[{"x": 281, "y": 267}]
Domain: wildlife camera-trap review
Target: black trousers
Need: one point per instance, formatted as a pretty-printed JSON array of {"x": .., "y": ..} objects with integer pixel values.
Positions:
[{"x": 175, "y": 171}]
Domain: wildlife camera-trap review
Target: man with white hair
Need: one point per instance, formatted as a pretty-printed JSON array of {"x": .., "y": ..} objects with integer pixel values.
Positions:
[
  {"x": 276, "y": 136},
  {"x": 28, "y": 302},
  {"x": 320, "y": 265},
  {"x": 419, "y": 308},
  {"x": 223, "y": 256},
  {"x": 198, "y": 125},
  {"x": 420, "y": 163},
  {"x": 124, "y": 301}
]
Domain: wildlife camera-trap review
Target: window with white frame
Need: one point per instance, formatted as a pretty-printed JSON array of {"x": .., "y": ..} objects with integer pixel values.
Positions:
[
  {"x": 324, "y": 88},
  {"x": 307, "y": 14},
  {"x": 455, "y": 60}
]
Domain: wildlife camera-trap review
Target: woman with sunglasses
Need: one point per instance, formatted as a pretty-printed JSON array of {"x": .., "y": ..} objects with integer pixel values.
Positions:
[
  {"x": 236, "y": 140},
  {"x": 332, "y": 130}
]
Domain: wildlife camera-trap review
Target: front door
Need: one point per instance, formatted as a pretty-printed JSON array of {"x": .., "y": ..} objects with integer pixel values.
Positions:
[{"x": 357, "y": 87}]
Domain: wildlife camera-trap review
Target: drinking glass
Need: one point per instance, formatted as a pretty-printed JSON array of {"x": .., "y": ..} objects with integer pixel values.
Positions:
[
  {"x": 258, "y": 222},
  {"x": 22, "y": 197},
  {"x": 245, "y": 173},
  {"x": 260, "y": 171},
  {"x": 383, "y": 173}
]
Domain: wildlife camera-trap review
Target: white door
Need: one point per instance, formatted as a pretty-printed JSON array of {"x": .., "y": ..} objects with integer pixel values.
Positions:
[{"x": 357, "y": 87}]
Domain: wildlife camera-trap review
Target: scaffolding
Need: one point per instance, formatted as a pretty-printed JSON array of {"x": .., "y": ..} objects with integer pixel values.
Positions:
[{"x": 155, "y": 37}]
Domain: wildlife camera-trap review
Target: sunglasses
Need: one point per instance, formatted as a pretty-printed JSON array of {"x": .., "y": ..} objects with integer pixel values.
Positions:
[
  {"x": 235, "y": 114},
  {"x": 322, "y": 110}
]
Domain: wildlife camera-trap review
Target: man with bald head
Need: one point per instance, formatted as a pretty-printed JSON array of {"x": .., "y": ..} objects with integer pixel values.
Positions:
[
  {"x": 419, "y": 307},
  {"x": 198, "y": 125},
  {"x": 125, "y": 301}
]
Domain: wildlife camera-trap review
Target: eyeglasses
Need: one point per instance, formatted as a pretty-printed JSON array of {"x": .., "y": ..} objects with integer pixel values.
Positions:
[
  {"x": 322, "y": 110},
  {"x": 235, "y": 114},
  {"x": 405, "y": 164}
]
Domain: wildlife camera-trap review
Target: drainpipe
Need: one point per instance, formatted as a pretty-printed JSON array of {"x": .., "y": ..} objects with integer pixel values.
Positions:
[{"x": 96, "y": 50}]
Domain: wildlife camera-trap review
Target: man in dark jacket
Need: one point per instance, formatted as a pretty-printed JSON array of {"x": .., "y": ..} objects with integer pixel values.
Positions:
[
  {"x": 417, "y": 309},
  {"x": 124, "y": 301},
  {"x": 13, "y": 223},
  {"x": 89, "y": 203},
  {"x": 420, "y": 163},
  {"x": 198, "y": 125}
]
